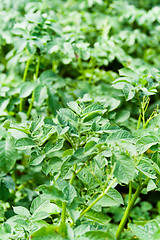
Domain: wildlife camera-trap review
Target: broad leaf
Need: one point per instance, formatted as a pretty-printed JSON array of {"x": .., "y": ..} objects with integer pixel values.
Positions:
[
  {"x": 69, "y": 114},
  {"x": 120, "y": 135},
  {"x": 47, "y": 77},
  {"x": 98, "y": 235},
  {"x": 145, "y": 232},
  {"x": 97, "y": 217},
  {"x": 147, "y": 168},
  {"x": 144, "y": 143},
  {"x": 22, "y": 211},
  {"x": 69, "y": 193},
  {"x": 52, "y": 192},
  {"x": 24, "y": 143},
  {"x": 111, "y": 198},
  {"x": 7, "y": 155},
  {"x": 46, "y": 233},
  {"x": 26, "y": 89},
  {"x": 124, "y": 169}
]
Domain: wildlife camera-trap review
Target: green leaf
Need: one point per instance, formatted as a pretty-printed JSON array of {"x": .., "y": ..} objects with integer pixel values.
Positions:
[
  {"x": 97, "y": 217},
  {"x": 93, "y": 108},
  {"x": 69, "y": 193},
  {"x": 156, "y": 158},
  {"x": 113, "y": 103},
  {"x": 122, "y": 116},
  {"x": 129, "y": 91},
  {"x": 115, "y": 195},
  {"x": 49, "y": 148},
  {"x": 124, "y": 169},
  {"x": 68, "y": 152},
  {"x": 78, "y": 157},
  {"x": 42, "y": 204},
  {"x": 156, "y": 236},
  {"x": 22, "y": 211},
  {"x": 95, "y": 127},
  {"x": 24, "y": 143},
  {"x": 38, "y": 202},
  {"x": 98, "y": 235},
  {"x": 62, "y": 131},
  {"x": 53, "y": 102},
  {"x": 47, "y": 77},
  {"x": 36, "y": 124},
  {"x": 8, "y": 155},
  {"x": 7, "y": 123},
  {"x": 40, "y": 94},
  {"x": 4, "y": 192},
  {"x": 3, "y": 105},
  {"x": 111, "y": 198},
  {"x": 69, "y": 114},
  {"x": 52, "y": 192},
  {"x": 87, "y": 178},
  {"x": 81, "y": 229},
  {"x": 120, "y": 135},
  {"x": 145, "y": 232},
  {"x": 39, "y": 216},
  {"x": 26, "y": 89},
  {"x": 89, "y": 146},
  {"x": 147, "y": 168},
  {"x": 128, "y": 73},
  {"x": 151, "y": 186},
  {"x": 144, "y": 143},
  {"x": 73, "y": 214},
  {"x": 5, "y": 231},
  {"x": 54, "y": 165},
  {"x": 18, "y": 31},
  {"x": 75, "y": 107},
  {"x": 9, "y": 182},
  {"x": 46, "y": 233},
  {"x": 37, "y": 160},
  {"x": 91, "y": 116}
]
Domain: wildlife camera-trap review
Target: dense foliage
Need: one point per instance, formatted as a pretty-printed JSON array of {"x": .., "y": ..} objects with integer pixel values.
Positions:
[{"x": 79, "y": 120}]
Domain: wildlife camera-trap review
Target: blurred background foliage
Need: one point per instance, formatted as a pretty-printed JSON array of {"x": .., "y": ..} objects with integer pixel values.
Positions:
[{"x": 105, "y": 48}]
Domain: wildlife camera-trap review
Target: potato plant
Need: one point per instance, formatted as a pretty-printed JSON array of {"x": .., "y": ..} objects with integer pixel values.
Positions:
[{"x": 79, "y": 120}]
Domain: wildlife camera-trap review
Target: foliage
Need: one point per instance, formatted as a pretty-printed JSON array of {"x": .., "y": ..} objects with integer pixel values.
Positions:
[{"x": 79, "y": 120}]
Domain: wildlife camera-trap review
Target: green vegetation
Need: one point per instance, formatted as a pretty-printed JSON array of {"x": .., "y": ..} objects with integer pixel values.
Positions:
[{"x": 79, "y": 120}]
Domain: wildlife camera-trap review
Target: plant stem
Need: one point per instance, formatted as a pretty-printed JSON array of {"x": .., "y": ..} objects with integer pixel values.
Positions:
[
  {"x": 139, "y": 121},
  {"x": 37, "y": 68},
  {"x": 30, "y": 105},
  {"x": 62, "y": 228},
  {"x": 24, "y": 79},
  {"x": 63, "y": 216},
  {"x": 32, "y": 99},
  {"x": 130, "y": 191},
  {"x": 98, "y": 198},
  {"x": 73, "y": 174},
  {"x": 26, "y": 69},
  {"x": 80, "y": 169},
  {"x": 128, "y": 209}
]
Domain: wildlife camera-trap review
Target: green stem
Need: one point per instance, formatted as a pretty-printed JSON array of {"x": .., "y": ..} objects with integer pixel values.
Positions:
[
  {"x": 14, "y": 177},
  {"x": 32, "y": 99},
  {"x": 37, "y": 68},
  {"x": 26, "y": 69},
  {"x": 24, "y": 79},
  {"x": 73, "y": 174},
  {"x": 98, "y": 198},
  {"x": 80, "y": 169},
  {"x": 30, "y": 105},
  {"x": 139, "y": 121},
  {"x": 62, "y": 229},
  {"x": 130, "y": 191},
  {"x": 128, "y": 210},
  {"x": 63, "y": 216}
]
